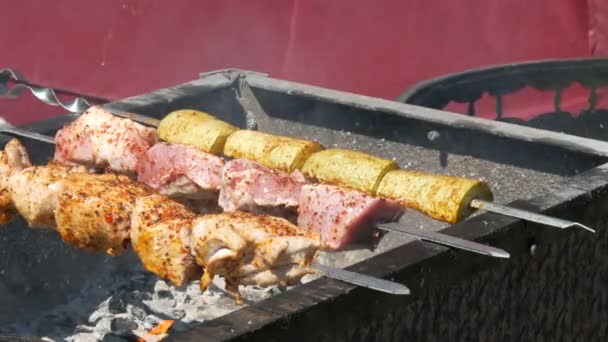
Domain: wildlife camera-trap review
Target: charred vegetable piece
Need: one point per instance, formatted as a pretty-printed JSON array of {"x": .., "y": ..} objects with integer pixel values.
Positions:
[
  {"x": 277, "y": 152},
  {"x": 444, "y": 198},
  {"x": 347, "y": 168},
  {"x": 195, "y": 128}
]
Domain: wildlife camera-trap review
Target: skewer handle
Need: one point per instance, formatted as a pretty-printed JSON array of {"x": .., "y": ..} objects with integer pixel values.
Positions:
[
  {"x": 44, "y": 94},
  {"x": 527, "y": 215}
]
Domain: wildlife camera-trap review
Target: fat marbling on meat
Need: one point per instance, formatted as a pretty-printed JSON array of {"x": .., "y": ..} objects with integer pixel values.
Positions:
[
  {"x": 99, "y": 139},
  {"x": 344, "y": 218},
  {"x": 183, "y": 171},
  {"x": 252, "y": 187}
]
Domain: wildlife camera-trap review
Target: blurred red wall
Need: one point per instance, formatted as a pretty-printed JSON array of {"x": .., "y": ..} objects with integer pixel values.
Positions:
[{"x": 115, "y": 49}]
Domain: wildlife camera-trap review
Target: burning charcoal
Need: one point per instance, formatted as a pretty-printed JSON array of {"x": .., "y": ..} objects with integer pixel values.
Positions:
[
  {"x": 139, "y": 313},
  {"x": 117, "y": 303},
  {"x": 114, "y": 338},
  {"x": 162, "y": 291},
  {"x": 177, "y": 313},
  {"x": 137, "y": 297},
  {"x": 187, "y": 299},
  {"x": 181, "y": 326},
  {"x": 122, "y": 326},
  {"x": 84, "y": 328},
  {"x": 151, "y": 321},
  {"x": 96, "y": 316}
]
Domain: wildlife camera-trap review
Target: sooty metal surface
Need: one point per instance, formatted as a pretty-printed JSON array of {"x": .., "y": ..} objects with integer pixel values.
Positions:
[{"x": 455, "y": 294}]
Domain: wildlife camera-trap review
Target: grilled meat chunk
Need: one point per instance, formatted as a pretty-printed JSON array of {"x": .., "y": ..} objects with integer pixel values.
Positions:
[
  {"x": 250, "y": 249},
  {"x": 343, "y": 217},
  {"x": 99, "y": 139},
  {"x": 13, "y": 158},
  {"x": 33, "y": 192},
  {"x": 160, "y": 235},
  {"x": 181, "y": 171},
  {"x": 252, "y": 187},
  {"x": 93, "y": 211}
]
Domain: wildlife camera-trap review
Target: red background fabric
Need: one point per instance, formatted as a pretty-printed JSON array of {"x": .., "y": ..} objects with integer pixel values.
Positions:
[{"x": 115, "y": 49}]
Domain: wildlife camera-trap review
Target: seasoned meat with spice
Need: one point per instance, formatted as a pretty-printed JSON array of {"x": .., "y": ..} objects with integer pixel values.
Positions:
[
  {"x": 160, "y": 235},
  {"x": 13, "y": 158},
  {"x": 33, "y": 191},
  {"x": 93, "y": 211},
  {"x": 181, "y": 171},
  {"x": 99, "y": 139},
  {"x": 344, "y": 218},
  {"x": 250, "y": 249},
  {"x": 252, "y": 187}
]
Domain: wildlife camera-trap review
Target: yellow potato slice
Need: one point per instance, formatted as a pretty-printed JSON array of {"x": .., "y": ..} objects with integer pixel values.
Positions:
[
  {"x": 191, "y": 127},
  {"x": 348, "y": 168},
  {"x": 445, "y": 198},
  {"x": 276, "y": 152}
]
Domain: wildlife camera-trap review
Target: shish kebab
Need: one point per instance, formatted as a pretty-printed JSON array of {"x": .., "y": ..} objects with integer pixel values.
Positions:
[
  {"x": 444, "y": 198},
  {"x": 108, "y": 212},
  {"x": 120, "y": 153},
  {"x": 415, "y": 198}
]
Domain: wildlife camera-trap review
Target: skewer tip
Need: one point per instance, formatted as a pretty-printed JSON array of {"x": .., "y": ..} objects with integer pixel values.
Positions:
[
  {"x": 580, "y": 225},
  {"x": 402, "y": 290},
  {"x": 499, "y": 253}
]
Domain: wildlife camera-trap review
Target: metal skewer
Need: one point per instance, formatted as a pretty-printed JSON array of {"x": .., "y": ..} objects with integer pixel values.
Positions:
[
  {"x": 362, "y": 280},
  {"x": 527, "y": 215},
  {"x": 446, "y": 240}
]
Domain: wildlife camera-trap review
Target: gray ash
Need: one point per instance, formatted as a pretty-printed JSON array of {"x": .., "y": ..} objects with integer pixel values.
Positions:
[{"x": 131, "y": 304}]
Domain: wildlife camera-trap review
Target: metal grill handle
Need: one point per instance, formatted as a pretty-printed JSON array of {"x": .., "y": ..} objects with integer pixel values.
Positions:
[{"x": 46, "y": 95}]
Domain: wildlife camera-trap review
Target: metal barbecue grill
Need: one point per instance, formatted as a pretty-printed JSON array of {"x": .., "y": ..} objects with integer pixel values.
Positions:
[{"x": 552, "y": 287}]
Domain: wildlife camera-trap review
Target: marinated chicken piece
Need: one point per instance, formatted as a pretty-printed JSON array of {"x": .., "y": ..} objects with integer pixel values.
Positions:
[
  {"x": 93, "y": 211},
  {"x": 34, "y": 195},
  {"x": 250, "y": 249},
  {"x": 344, "y": 218},
  {"x": 99, "y": 139},
  {"x": 252, "y": 187},
  {"x": 181, "y": 171},
  {"x": 13, "y": 158},
  {"x": 160, "y": 235}
]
